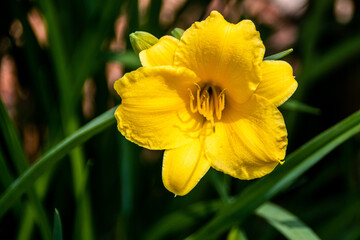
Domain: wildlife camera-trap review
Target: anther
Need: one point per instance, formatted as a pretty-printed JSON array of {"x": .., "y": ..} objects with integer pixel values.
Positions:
[{"x": 210, "y": 102}]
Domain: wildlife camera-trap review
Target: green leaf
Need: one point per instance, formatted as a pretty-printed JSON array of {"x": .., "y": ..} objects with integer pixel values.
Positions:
[
  {"x": 126, "y": 172},
  {"x": 221, "y": 183},
  {"x": 297, "y": 106},
  {"x": 285, "y": 222},
  {"x": 296, "y": 164},
  {"x": 27, "y": 179},
  {"x": 86, "y": 55},
  {"x": 17, "y": 154},
  {"x": 12, "y": 140},
  {"x": 58, "y": 235},
  {"x": 60, "y": 57},
  {"x": 5, "y": 175},
  {"x": 279, "y": 55}
]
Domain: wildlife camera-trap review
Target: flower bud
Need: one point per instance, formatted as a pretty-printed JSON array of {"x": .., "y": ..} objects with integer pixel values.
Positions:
[
  {"x": 142, "y": 40},
  {"x": 177, "y": 32}
]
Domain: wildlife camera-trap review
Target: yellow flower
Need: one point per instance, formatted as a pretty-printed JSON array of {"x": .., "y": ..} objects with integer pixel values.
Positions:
[{"x": 209, "y": 100}]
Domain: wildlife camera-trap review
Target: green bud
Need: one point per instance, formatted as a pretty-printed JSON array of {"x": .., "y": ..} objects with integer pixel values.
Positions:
[
  {"x": 142, "y": 40},
  {"x": 177, "y": 32}
]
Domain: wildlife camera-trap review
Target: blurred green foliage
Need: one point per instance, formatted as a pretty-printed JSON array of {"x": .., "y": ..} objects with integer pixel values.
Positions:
[{"x": 105, "y": 187}]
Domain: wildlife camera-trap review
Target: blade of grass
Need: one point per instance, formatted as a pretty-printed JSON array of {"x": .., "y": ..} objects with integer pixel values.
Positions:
[
  {"x": 86, "y": 57},
  {"x": 221, "y": 185},
  {"x": 67, "y": 81},
  {"x": 83, "y": 203},
  {"x": 58, "y": 50},
  {"x": 58, "y": 234},
  {"x": 27, "y": 224},
  {"x": 18, "y": 156},
  {"x": 12, "y": 140},
  {"x": 153, "y": 17},
  {"x": 63, "y": 68},
  {"x": 34, "y": 60},
  {"x": 297, "y": 106},
  {"x": 285, "y": 222},
  {"x": 296, "y": 164},
  {"x": 334, "y": 57},
  {"x": 127, "y": 175},
  {"x": 6, "y": 177},
  {"x": 48, "y": 160},
  {"x": 279, "y": 55},
  {"x": 132, "y": 11}
]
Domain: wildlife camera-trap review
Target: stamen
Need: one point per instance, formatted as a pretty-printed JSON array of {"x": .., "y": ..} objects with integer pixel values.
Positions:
[
  {"x": 210, "y": 102},
  {"x": 192, "y": 99},
  {"x": 221, "y": 105}
]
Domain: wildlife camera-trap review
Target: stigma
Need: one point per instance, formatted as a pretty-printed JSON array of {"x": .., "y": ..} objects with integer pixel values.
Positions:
[{"x": 209, "y": 102}]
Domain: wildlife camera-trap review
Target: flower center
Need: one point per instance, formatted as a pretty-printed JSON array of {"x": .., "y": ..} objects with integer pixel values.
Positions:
[{"x": 209, "y": 102}]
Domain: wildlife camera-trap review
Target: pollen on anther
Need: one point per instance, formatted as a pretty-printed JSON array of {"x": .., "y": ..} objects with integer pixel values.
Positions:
[{"x": 209, "y": 102}]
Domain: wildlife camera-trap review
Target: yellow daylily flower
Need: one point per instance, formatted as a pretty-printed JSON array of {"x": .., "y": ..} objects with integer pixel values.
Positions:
[{"x": 209, "y": 100}]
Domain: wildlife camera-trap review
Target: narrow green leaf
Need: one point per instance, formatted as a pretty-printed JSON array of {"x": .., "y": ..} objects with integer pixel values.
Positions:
[
  {"x": 285, "y": 222},
  {"x": 58, "y": 50},
  {"x": 17, "y": 154},
  {"x": 297, "y": 106},
  {"x": 86, "y": 55},
  {"x": 126, "y": 171},
  {"x": 220, "y": 184},
  {"x": 26, "y": 224},
  {"x": 279, "y": 55},
  {"x": 12, "y": 140},
  {"x": 27, "y": 179},
  {"x": 296, "y": 164},
  {"x": 5, "y": 175},
  {"x": 58, "y": 234},
  {"x": 83, "y": 215},
  {"x": 153, "y": 17}
]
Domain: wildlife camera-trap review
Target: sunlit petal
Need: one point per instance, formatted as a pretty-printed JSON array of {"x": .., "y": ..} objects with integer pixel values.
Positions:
[
  {"x": 154, "y": 112},
  {"x": 278, "y": 82},
  {"x": 227, "y": 55},
  {"x": 183, "y": 167},
  {"x": 249, "y": 141},
  {"x": 160, "y": 54}
]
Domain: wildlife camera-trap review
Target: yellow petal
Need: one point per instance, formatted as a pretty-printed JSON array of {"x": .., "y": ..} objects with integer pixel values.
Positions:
[
  {"x": 183, "y": 167},
  {"x": 160, "y": 54},
  {"x": 278, "y": 82},
  {"x": 154, "y": 112},
  {"x": 228, "y": 55},
  {"x": 249, "y": 141}
]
